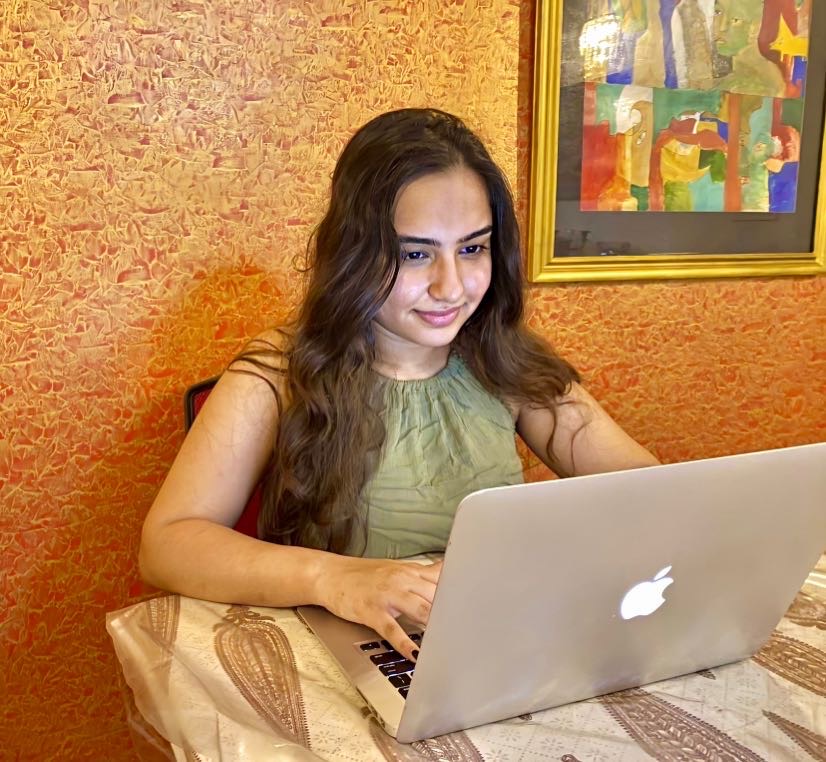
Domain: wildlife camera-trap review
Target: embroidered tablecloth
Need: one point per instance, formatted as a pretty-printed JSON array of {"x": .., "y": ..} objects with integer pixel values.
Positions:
[{"x": 220, "y": 682}]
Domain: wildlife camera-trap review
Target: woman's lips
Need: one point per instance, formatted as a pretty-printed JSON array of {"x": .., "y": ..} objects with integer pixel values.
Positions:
[{"x": 440, "y": 318}]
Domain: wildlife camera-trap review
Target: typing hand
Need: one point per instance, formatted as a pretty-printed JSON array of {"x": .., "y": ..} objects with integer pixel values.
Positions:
[{"x": 375, "y": 592}]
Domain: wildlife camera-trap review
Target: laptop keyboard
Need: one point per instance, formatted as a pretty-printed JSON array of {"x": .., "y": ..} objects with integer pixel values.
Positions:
[{"x": 395, "y": 667}]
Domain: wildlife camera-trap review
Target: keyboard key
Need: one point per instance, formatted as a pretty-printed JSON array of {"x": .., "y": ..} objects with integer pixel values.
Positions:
[
  {"x": 372, "y": 646},
  {"x": 404, "y": 691},
  {"x": 386, "y": 644},
  {"x": 389, "y": 657},
  {"x": 396, "y": 669},
  {"x": 398, "y": 681}
]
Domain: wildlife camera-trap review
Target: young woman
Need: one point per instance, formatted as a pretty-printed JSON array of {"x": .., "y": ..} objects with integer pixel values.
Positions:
[{"x": 396, "y": 392}]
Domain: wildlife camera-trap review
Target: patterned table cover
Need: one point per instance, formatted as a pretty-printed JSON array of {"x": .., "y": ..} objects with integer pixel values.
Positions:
[{"x": 222, "y": 682}]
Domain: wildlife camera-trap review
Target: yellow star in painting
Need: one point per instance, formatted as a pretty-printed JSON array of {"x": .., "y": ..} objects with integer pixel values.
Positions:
[{"x": 789, "y": 44}]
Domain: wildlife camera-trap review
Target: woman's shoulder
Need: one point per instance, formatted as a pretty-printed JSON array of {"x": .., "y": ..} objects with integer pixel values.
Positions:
[
  {"x": 267, "y": 353},
  {"x": 263, "y": 362}
]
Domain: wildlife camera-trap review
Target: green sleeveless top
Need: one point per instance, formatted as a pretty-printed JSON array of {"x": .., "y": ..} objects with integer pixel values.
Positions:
[{"x": 446, "y": 436}]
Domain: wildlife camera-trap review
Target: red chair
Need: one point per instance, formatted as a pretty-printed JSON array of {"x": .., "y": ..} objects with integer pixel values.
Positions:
[{"x": 194, "y": 399}]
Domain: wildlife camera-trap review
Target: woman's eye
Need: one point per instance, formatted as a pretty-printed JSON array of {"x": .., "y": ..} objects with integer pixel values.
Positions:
[
  {"x": 413, "y": 255},
  {"x": 475, "y": 248}
]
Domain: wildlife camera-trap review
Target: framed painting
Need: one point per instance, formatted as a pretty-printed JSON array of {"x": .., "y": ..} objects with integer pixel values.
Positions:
[{"x": 678, "y": 139}]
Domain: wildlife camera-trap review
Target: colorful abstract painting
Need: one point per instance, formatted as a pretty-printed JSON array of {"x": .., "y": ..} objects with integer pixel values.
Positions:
[{"x": 693, "y": 105}]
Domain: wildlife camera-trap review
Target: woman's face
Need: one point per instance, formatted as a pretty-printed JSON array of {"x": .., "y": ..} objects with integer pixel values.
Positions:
[{"x": 444, "y": 222}]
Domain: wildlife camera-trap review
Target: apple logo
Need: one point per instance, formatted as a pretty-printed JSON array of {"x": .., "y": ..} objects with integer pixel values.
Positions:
[{"x": 645, "y": 597}]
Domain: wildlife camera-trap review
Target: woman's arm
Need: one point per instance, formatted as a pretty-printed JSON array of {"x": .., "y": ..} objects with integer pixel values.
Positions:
[
  {"x": 189, "y": 547},
  {"x": 187, "y": 544},
  {"x": 584, "y": 438}
]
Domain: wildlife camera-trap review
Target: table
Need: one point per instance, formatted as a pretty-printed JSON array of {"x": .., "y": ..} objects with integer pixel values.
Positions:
[{"x": 222, "y": 682}]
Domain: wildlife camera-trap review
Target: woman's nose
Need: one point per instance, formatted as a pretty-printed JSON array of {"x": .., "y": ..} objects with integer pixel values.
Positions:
[{"x": 446, "y": 284}]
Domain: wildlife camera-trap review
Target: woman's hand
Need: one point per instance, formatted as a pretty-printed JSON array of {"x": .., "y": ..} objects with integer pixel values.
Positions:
[{"x": 375, "y": 592}]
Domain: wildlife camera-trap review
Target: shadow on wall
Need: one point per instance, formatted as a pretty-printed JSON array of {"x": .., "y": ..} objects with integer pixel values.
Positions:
[{"x": 194, "y": 340}]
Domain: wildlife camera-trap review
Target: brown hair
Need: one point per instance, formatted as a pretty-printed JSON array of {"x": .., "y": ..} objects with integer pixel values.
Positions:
[{"x": 330, "y": 429}]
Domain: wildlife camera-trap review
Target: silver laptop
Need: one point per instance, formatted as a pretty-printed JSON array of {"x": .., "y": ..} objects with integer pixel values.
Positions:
[{"x": 563, "y": 590}]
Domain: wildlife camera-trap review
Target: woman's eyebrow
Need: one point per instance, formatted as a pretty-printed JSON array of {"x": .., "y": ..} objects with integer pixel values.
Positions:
[{"x": 433, "y": 242}]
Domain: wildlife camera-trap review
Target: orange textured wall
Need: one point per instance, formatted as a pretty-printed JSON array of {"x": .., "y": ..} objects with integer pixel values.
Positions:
[{"x": 161, "y": 165}]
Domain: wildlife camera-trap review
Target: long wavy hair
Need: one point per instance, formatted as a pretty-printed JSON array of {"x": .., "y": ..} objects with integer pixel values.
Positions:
[{"x": 330, "y": 430}]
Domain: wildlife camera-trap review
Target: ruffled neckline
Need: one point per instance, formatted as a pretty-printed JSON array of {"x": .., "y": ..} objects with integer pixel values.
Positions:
[{"x": 453, "y": 368}]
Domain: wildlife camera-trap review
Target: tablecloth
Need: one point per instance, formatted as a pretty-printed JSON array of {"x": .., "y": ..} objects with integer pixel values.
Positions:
[{"x": 225, "y": 682}]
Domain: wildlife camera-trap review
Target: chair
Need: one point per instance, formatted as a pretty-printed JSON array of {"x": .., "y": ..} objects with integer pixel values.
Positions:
[{"x": 194, "y": 399}]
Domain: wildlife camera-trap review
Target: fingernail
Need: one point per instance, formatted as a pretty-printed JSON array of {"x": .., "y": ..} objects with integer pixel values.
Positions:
[{"x": 415, "y": 653}]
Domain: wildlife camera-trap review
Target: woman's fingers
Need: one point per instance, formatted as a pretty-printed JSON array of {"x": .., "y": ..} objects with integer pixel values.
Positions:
[
  {"x": 376, "y": 592},
  {"x": 420, "y": 600},
  {"x": 431, "y": 572},
  {"x": 411, "y": 604},
  {"x": 393, "y": 633}
]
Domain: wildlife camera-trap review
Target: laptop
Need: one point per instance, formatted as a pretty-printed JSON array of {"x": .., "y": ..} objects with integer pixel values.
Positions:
[{"x": 559, "y": 591}]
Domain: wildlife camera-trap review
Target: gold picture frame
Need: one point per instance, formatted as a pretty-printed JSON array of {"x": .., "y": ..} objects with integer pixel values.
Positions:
[{"x": 546, "y": 264}]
